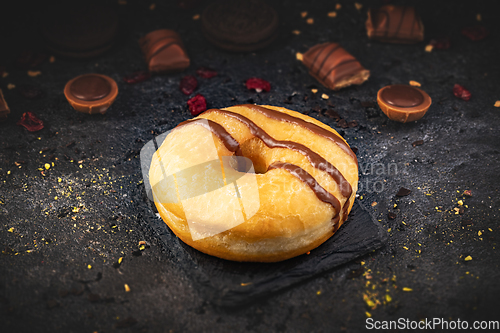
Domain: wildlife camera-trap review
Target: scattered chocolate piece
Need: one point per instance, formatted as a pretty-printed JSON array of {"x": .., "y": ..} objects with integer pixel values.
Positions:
[
  {"x": 30, "y": 59},
  {"x": 240, "y": 26},
  {"x": 333, "y": 66},
  {"x": 368, "y": 104},
  {"x": 91, "y": 93},
  {"x": 136, "y": 77},
  {"x": 52, "y": 303},
  {"x": 164, "y": 51},
  {"x": 466, "y": 223},
  {"x": 29, "y": 91},
  {"x": 391, "y": 215},
  {"x": 418, "y": 143},
  {"x": 352, "y": 123},
  {"x": 475, "y": 33},
  {"x": 342, "y": 123},
  {"x": 188, "y": 84},
  {"x": 76, "y": 291},
  {"x": 257, "y": 84},
  {"x": 77, "y": 30},
  {"x": 394, "y": 24},
  {"x": 460, "y": 92},
  {"x": 30, "y": 122},
  {"x": 354, "y": 150},
  {"x": 197, "y": 105},
  {"x": 332, "y": 114},
  {"x": 4, "y": 108},
  {"x": 403, "y": 192},
  {"x": 403, "y": 103},
  {"x": 356, "y": 273},
  {"x": 127, "y": 322},
  {"x": 94, "y": 297}
]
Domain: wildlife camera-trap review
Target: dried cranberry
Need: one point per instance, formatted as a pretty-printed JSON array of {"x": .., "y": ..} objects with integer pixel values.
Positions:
[
  {"x": 30, "y": 122},
  {"x": 188, "y": 84},
  {"x": 197, "y": 105},
  {"x": 29, "y": 91},
  {"x": 137, "y": 77},
  {"x": 441, "y": 43},
  {"x": 258, "y": 85},
  {"x": 475, "y": 33},
  {"x": 460, "y": 92},
  {"x": 206, "y": 73},
  {"x": 30, "y": 59}
]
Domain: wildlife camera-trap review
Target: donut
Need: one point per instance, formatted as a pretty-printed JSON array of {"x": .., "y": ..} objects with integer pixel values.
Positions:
[{"x": 253, "y": 183}]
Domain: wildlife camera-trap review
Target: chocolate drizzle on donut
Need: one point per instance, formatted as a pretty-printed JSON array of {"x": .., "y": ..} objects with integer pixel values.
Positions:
[
  {"x": 281, "y": 116},
  {"x": 309, "y": 180},
  {"x": 315, "y": 159},
  {"x": 219, "y": 131}
]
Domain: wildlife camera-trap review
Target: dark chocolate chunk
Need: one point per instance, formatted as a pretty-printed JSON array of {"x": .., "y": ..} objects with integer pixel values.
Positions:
[
  {"x": 94, "y": 298},
  {"x": 403, "y": 192},
  {"x": 90, "y": 88},
  {"x": 164, "y": 51},
  {"x": 418, "y": 143},
  {"x": 333, "y": 66},
  {"x": 29, "y": 91},
  {"x": 240, "y": 26},
  {"x": 394, "y": 24},
  {"x": 391, "y": 215},
  {"x": 127, "y": 322}
]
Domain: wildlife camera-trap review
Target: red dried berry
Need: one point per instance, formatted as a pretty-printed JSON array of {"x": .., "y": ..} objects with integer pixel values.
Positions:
[
  {"x": 441, "y": 43},
  {"x": 206, "y": 73},
  {"x": 188, "y": 84},
  {"x": 30, "y": 122},
  {"x": 137, "y": 77},
  {"x": 475, "y": 33},
  {"x": 460, "y": 92},
  {"x": 258, "y": 85},
  {"x": 197, "y": 104}
]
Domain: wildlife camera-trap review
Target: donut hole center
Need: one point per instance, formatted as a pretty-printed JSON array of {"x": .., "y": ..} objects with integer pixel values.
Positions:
[{"x": 255, "y": 150}]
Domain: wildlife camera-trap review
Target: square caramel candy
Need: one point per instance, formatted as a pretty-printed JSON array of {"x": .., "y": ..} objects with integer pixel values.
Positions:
[
  {"x": 164, "y": 51},
  {"x": 395, "y": 24},
  {"x": 334, "y": 67}
]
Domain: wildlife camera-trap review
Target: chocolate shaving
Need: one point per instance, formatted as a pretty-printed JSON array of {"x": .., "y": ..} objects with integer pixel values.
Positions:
[
  {"x": 403, "y": 192},
  {"x": 418, "y": 143},
  {"x": 127, "y": 322},
  {"x": 368, "y": 104},
  {"x": 391, "y": 215}
]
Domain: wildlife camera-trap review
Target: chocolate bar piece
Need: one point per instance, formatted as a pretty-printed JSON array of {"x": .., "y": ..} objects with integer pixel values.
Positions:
[
  {"x": 333, "y": 66},
  {"x": 4, "y": 108},
  {"x": 395, "y": 24},
  {"x": 164, "y": 51}
]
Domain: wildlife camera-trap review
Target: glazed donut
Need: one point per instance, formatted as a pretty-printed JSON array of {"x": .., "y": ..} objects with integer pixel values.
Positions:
[{"x": 254, "y": 183}]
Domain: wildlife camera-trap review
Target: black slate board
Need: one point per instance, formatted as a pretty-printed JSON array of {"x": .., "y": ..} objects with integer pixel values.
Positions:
[{"x": 228, "y": 284}]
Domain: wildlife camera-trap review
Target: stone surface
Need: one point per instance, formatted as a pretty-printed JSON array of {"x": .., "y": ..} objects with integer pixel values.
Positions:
[{"x": 59, "y": 266}]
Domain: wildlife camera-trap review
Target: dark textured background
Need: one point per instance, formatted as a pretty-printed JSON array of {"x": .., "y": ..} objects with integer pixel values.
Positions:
[{"x": 47, "y": 244}]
